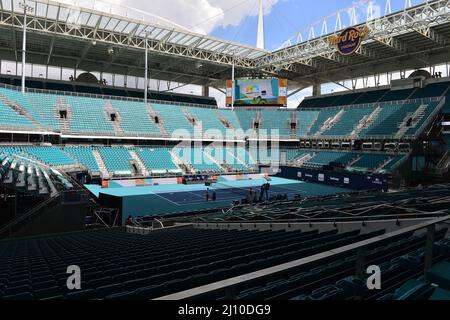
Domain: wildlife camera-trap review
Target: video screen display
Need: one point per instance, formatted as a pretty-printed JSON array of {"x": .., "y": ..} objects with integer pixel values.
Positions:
[{"x": 258, "y": 92}]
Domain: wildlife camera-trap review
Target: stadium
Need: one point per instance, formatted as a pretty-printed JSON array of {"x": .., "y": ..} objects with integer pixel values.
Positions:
[{"x": 116, "y": 186}]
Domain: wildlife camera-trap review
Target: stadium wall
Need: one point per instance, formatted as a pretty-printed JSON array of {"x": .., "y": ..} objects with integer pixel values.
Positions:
[
  {"x": 347, "y": 180},
  {"x": 153, "y": 205},
  {"x": 63, "y": 218},
  {"x": 389, "y": 225}
]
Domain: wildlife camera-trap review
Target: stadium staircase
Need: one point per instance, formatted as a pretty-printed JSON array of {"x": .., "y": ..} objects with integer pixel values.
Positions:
[
  {"x": 433, "y": 120},
  {"x": 185, "y": 167},
  {"x": 21, "y": 111},
  {"x": 330, "y": 122},
  {"x": 259, "y": 120},
  {"x": 355, "y": 160},
  {"x": 214, "y": 160},
  {"x": 101, "y": 164},
  {"x": 311, "y": 125},
  {"x": 191, "y": 119},
  {"x": 293, "y": 119},
  {"x": 64, "y": 123},
  {"x": 237, "y": 161},
  {"x": 442, "y": 168},
  {"x": 143, "y": 170},
  {"x": 153, "y": 116},
  {"x": 109, "y": 110},
  {"x": 411, "y": 121},
  {"x": 226, "y": 123},
  {"x": 302, "y": 159},
  {"x": 383, "y": 165},
  {"x": 366, "y": 122}
]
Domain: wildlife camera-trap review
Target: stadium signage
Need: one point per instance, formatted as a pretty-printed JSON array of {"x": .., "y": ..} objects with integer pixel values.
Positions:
[{"x": 349, "y": 40}]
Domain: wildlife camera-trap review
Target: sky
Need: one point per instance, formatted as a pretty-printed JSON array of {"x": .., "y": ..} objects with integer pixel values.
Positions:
[{"x": 236, "y": 20}]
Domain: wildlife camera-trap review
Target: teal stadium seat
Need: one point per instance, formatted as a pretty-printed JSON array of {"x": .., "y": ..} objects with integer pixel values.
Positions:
[
  {"x": 305, "y": 119},
  {"x": 84, "y": 156},
  {"x": 116, "y": 159},
  {"x": 174, "y": 119},
  {"x": 135, "y": 119},
  {"x": 157, "y": 160},
  {"x": 246, "y": 118},
  {"x": 88, "y": 116},
  {"x": 50, "y": 155},
  {"x": 12, "y": 120},
  {"x": 348, "y": 122},
  {"x": 324, "y": 115}
]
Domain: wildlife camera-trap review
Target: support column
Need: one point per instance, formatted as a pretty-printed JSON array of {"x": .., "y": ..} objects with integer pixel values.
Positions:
[
  {"x": 26, "y": 10},
  {"x": 233, "y": 89},
  {"x": 317, "y": 90},
  {"x": 146, "y": 69},
  {"x": 205, "y": 91}
]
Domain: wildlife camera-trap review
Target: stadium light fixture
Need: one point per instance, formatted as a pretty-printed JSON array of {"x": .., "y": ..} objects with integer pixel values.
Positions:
[{"x": 26, "y": 8}]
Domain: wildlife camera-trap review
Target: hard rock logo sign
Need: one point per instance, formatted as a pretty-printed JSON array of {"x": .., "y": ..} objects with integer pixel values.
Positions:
[{"x": 349, "y": 40}]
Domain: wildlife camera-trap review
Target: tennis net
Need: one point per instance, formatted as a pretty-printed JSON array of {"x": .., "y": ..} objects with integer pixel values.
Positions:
[{"x": 244, "y": 191}]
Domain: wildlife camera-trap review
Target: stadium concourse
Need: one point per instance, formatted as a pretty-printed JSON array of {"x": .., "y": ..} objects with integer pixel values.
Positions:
[{"x": 156, "y": 195}]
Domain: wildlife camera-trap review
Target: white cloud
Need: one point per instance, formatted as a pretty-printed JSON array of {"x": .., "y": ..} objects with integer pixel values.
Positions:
[{"x": 201, "y": 16}]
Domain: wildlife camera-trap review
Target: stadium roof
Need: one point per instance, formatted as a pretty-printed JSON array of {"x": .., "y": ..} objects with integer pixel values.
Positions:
[{"x": 91, "y": 38}]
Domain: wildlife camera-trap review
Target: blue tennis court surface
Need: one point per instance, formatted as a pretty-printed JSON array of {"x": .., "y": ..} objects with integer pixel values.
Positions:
[{"x": 170, "y": 199}]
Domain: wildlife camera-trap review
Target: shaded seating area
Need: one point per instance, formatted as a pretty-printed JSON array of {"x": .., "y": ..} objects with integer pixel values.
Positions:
[{"x": 120, "y": 265}]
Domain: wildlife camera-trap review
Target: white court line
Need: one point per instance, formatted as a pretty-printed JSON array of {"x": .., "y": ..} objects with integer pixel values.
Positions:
[
  {"x": 197, "y": 195},
  {"x": 175, "y": 203}
]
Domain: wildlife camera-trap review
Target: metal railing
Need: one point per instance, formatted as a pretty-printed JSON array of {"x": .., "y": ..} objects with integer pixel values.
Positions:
[
  {"x": 105, "y": 97},
  {"x": 25, "y": 218},
  {"x": 230, "y": 287},
  {"x": 372, "y": 104}
]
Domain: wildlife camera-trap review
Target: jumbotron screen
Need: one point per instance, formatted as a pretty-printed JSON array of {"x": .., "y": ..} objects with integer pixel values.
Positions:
[{"x": 258, "y": 92}]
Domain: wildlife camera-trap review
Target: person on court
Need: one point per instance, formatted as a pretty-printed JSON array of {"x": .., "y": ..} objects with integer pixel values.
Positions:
[
  {"x": 250, "y": 195},
  {"x": 214, "y": 195},
  {"x": 129, "y": 221},
  {"x": 267, "y": 188},
  {"x": 207, "y": 195}
]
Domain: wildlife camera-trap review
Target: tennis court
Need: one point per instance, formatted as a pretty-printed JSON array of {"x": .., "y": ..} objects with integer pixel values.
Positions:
[
  {"x": 159, "y": 200},
  {"x": 234, "y": 190}
]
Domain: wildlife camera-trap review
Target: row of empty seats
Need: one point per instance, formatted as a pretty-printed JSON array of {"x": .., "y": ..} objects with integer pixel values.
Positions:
[
  {"x": 24, "y": 175},
  {"x": 353, "y": 161},
  {"x": 95, "y": 116},
  {"x": 376, "y": 95},
  {"x": 124, "y": 161},
  {"x": 47, "y": 84},
  {"x": 434, "y": 285},
  {"x": 120, "y": 265},
  {"x": 400, "y": 260},
  {"x": 119, "y": 161}
]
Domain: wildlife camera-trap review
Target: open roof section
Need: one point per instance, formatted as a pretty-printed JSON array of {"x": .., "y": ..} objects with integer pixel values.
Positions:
[
  {"x": 412, "y": 38},
  {"x": 82, "y": 37}
]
